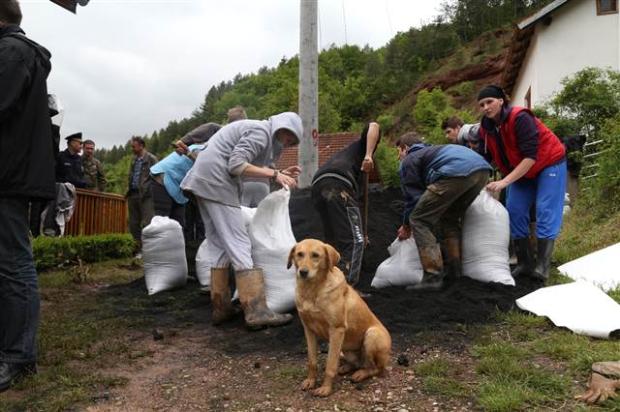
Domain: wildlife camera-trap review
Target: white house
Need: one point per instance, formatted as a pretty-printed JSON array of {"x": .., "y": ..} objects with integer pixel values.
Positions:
[{"x": 559, "y": 40}]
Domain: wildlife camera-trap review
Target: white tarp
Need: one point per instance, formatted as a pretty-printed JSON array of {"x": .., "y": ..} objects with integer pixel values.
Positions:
[
  {"x": 579, "y": 306},
  {"x": 163, "y": 253},
  {"x": 601, "y": 268}
]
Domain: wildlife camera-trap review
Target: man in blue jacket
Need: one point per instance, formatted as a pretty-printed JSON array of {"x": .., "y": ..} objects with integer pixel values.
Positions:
[
  {"x": 26, "y": 174},
  {"x": 439, "y": 182}
]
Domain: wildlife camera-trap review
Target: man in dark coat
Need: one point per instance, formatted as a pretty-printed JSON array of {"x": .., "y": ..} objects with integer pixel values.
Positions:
[
  {"x": 337, "y": 188},
  {"x": 69, "y": 168},
  {"x": 26, "y": 173}
]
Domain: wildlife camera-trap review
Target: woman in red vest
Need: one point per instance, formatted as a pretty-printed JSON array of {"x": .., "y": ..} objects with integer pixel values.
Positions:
[{"x": 533, "y": 162}]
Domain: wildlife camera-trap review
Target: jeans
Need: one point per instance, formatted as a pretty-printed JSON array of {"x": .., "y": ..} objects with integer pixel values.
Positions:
[
  {"x": 546, "y": 192},
  {"x": 19, "y": 295}
]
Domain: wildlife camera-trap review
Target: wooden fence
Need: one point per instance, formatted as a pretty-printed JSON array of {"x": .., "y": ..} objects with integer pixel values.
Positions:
[{"x": 97, "y": 213}]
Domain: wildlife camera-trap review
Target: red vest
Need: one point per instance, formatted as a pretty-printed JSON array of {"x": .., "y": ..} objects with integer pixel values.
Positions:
[{"x": 550, "y": 148}]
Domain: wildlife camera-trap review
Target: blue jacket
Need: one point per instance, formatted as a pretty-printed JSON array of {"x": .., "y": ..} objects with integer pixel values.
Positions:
[
  {"x": 425, "y": 164},
  {"x": 175, "y": 167}
]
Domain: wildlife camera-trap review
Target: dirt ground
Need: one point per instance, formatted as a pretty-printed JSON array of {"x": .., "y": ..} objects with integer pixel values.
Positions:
[{"x": 174, "y": 360}]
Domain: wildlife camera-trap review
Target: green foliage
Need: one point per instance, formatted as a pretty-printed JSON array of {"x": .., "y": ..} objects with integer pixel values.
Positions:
[
  {"x": 53, "y": 252},
  {"x": 386, "y": 157},
  {"x": 431, "y": 108},
  {"x": 606, "y": 185}
]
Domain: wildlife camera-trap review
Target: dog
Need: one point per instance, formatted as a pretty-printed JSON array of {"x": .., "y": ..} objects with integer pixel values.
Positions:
[{"x": 332, "y": 310}]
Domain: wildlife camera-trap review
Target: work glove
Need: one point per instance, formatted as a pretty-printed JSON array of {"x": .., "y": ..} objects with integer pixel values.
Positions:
[{"x": 599, "y": 389}]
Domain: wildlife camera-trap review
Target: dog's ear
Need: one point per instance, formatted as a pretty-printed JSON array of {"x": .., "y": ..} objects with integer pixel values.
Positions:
[
  {"x": 332, "y": 256},
  {"x": 291, "y": 255}
]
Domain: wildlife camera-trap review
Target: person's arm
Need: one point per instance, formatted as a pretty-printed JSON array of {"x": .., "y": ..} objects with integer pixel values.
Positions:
[
  {"x": 372, "y": 139},
  {"x": 527, "y": 144},
  {"x": 282, "y": 179},
  {"x": 14, "y": 77},
  {"x": 102, "y": 182}
]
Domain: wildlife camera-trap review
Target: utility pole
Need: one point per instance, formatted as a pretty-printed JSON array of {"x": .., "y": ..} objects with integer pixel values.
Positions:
[{"x": 308, "y": 90}]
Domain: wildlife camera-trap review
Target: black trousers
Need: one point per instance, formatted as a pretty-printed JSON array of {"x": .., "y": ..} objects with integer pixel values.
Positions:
[
  {"x": 165, "y": 205},
  {"x": 342, "y": 223}
]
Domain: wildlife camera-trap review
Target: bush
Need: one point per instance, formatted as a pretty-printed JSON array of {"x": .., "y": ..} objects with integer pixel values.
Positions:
[
  {"x": 52, "y": 252},
  {"x": 387, "y": 161}
]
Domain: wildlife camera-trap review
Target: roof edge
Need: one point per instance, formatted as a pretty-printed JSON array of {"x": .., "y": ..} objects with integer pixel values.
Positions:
[{"x": 528, "y": 21}]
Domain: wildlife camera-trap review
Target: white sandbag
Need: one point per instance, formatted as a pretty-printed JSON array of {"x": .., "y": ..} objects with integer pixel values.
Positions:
[
  {"x": 601, "y": 268},
  {"x": 402, "y": 268},
  {"x": 272, "y": 240},
  {"x": 579, "y": 306},
  {"x": 163, "y": 253},
  {"x": 206, "y": 258},
  {"x": 486, "y": 234}
]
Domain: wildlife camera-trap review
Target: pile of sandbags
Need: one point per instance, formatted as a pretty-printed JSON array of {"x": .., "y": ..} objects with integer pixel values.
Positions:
[
  {"x": 485, "y": 238},
  {"x": 163, "y": 253}
]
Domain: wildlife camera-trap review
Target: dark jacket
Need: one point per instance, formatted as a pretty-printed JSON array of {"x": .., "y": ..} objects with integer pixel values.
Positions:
[
  {"x": 347, "y": 164},
  {"x": 425, "y": 164},
  {"x": 26, "y": 144},
  {"x": 144, "y": 185},
  {"x": 69, "y": 169}
]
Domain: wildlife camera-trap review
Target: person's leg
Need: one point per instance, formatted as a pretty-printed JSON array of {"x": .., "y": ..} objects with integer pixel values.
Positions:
[
  {"x": 520, "y": 198},
  {"x": 133, "y": 205},
  {"x": 147, "y": 211},
  {"x": 19, "y": 317},
  {"x": 549, "y": 213},
  {"x": 231, "y": 231},
  {"x": 177, "y": 212},
  {"x": 319, "y": 201},
  {"x": 162, "y": 202}
]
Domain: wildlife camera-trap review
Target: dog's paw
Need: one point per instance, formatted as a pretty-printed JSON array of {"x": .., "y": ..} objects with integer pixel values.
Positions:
[
  {"x": 360, "y": 375},
  {"x": 308, "y": 384},
  {"x": 323, "y": 391}
]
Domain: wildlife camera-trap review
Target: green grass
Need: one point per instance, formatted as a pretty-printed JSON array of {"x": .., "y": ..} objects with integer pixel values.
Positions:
[{"x": 443, "y": 378}]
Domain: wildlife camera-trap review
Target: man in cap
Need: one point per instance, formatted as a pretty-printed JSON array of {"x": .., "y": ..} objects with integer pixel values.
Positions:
[
  {"x": 69, "y": 167},
  {"x": 93, "y": 169}
]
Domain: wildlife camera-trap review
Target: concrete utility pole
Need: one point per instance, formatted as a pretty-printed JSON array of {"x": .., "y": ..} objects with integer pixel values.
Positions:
[{"x": 308, "y": 90}]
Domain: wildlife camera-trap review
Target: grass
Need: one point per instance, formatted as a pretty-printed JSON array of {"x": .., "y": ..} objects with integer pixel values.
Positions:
[
  {"x": 442, "y": 377},
  {"x": 76, "y": 337}
]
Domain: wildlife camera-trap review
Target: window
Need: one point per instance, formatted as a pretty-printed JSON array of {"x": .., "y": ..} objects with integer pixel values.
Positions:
[
  {"x": 606, "y": 7},
  {"x": 528, "y": 98}
]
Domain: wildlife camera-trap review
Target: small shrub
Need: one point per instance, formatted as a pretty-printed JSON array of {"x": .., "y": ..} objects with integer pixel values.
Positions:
[
  {"x": 53, "y": 252},
  {"x": 387, "y": 163}
]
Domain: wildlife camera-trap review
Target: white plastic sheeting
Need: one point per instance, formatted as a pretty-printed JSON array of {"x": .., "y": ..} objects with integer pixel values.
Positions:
[
  {"x": 579, "y": 306},
  {"x": 486, "y": 234},
  {"x": 163, "y": 253},
  {"x": 402, "y": 268},
  {"x": 601, "y": 268}
]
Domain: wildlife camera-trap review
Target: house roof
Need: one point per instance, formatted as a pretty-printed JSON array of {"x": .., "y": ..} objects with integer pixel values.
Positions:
[
  {"x": 528, "y": 21},
  {"x": 329, "y": 145},
  {"x": 520, "y": 43}
]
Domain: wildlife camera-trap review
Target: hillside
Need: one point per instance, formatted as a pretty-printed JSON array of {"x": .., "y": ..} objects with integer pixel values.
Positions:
[{"x": 460, "y": 50}]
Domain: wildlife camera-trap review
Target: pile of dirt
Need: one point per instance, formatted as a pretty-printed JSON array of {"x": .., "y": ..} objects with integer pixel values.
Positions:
[{"x": 404, "y": 313}]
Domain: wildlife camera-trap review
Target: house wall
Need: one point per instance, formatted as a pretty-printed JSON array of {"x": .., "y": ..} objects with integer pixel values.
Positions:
[{"x": 575, "y": 39}]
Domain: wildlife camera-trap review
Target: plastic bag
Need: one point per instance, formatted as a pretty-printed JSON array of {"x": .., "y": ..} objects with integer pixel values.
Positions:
[
  {"x": 402, "y": 268},
  {"x": 163, "y": 253},
  {"x": 486, "y": 234},
  {"x": 272, "y": 240}
]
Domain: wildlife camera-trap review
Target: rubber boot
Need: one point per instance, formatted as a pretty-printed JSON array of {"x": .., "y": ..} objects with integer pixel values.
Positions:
[
  {"x": 220, "y": 296},
  {"x": 453, "y": 266},
  {"x": 543, "y": 260},
  {"x": 432, "y": 264},
  {"x": 251, "y": 288},
  {"x": 525, "y": 261}
]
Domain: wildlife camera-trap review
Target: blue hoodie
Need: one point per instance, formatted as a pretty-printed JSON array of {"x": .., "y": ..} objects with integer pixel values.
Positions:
[
  {"x": 175, "y": 167},
  {"x": 425, "y": 164}
]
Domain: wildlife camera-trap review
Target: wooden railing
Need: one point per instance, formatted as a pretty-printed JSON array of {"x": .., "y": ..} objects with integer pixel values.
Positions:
[{"x": 97, "y": 213}]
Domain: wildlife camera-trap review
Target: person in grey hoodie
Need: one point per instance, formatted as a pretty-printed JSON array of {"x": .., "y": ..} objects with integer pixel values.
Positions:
[{"x": 240, "y": 149}]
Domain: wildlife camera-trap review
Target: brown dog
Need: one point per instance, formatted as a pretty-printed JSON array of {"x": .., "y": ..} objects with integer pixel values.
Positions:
[{"x": 330, "y": 309}]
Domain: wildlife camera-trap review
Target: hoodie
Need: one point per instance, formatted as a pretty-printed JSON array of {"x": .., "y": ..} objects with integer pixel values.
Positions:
[
  {"x": 26, "y": 145},
  {"x": 216, "y": 175}
]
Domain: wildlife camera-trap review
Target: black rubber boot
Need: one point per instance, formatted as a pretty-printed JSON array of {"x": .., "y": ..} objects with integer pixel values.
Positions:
[
  {"x": 11, "y": 373},
  {"x": 525, "y": 261},
  {"x": 431, "y": 260},
  {"x": 543, "y": 260}
]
